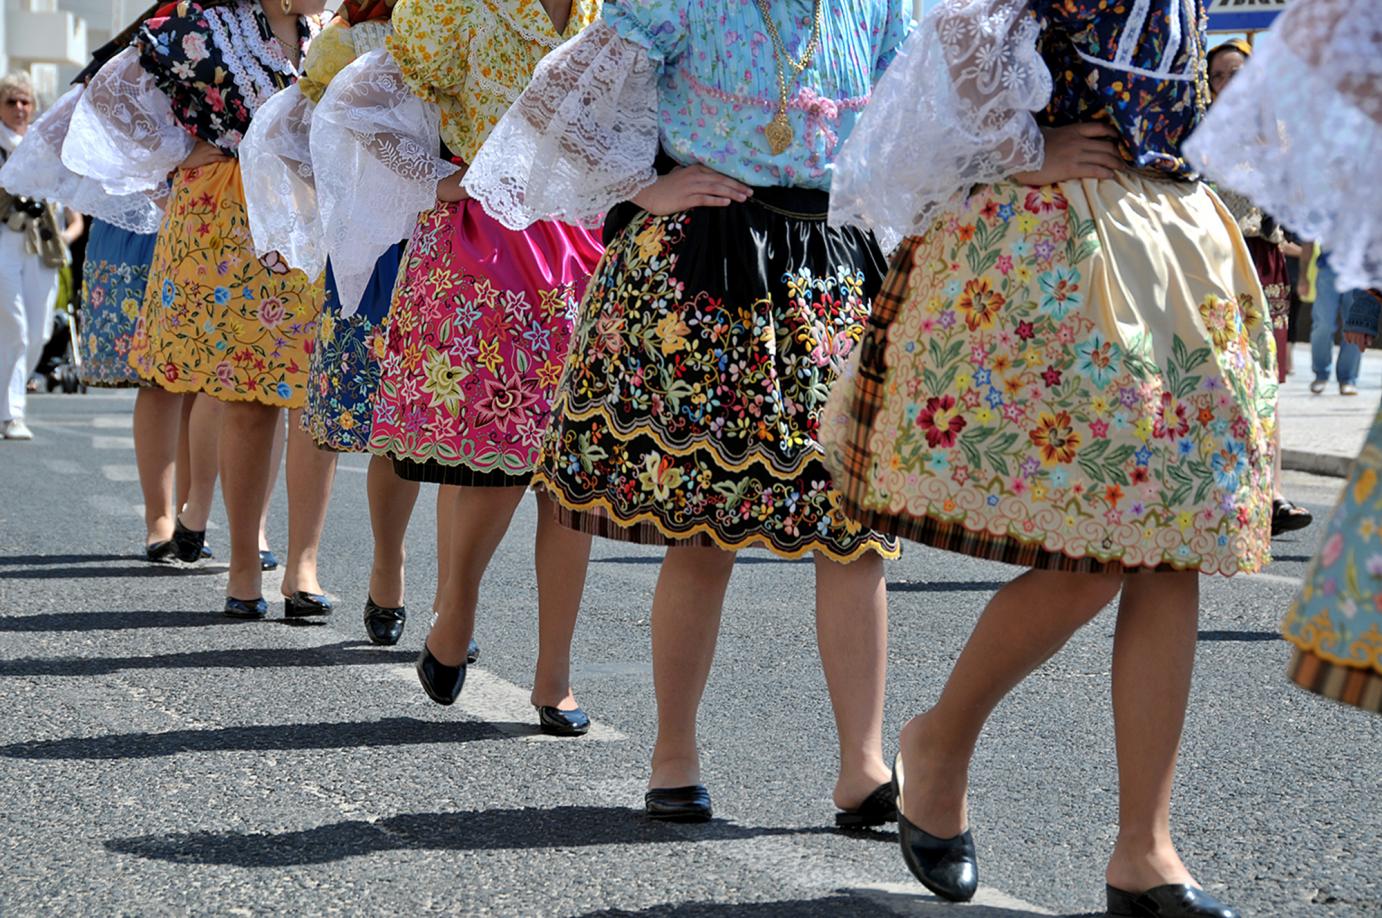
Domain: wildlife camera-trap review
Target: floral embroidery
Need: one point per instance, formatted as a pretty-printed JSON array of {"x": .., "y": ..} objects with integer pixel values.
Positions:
[{"x": 114, "y": 277}]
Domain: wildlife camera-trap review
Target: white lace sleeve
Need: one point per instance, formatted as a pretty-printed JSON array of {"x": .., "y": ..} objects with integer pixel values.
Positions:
[
  {"x": 379, "y": 144},
  {"x": 280, "y": 194},
  {"x": 123, "y": 133},
  {"x": 35, "y": 170},
  {"x": 953, "y": 110},
  {"x": 581, "y": 138},
  {"x": 1299, "y": 131}
]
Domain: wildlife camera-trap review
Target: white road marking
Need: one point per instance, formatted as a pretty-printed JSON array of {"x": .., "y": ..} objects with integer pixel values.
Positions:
[
  {"x": 1276, "y": 578},
  {"x": 109, "y": 504},
  {"x": 99, "y": 442},
  {"x": 121, "y": 473},
  {"x": 113, "y": 421}
]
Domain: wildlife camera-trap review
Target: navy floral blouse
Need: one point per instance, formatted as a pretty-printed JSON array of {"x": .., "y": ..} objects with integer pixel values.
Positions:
[
  {"x": 217, "y": 66},
  {"x": 1137, "y": 65}
]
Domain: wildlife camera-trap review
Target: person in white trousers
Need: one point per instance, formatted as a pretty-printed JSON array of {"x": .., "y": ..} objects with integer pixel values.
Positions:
[{"x": 28, "y": 287}]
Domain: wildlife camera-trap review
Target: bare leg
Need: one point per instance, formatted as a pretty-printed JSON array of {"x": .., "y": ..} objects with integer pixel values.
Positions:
[
  {"x": 275, "y": 463},
  {"x": 247, "y": 435},
  {"x": 447, "y": 508},
  {"x": 203, "y": 422},
  {"x": 1024, "y": 625},
  {"x": 391, "y": 501},
  {"x": 1153, "y": 656},
  {"x": 481, "y": 517},
  {"x": 311, "y": 472},
  {"x": 561, "y": 556},
  {"x": 182, "y": 481},
  {"x": 686, "y": 622},
  {"x": 156, "y": 414},
  {"x": 852, "y": 633}
]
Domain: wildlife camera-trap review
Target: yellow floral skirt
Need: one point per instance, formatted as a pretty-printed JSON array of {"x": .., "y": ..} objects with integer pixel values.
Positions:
[
  {"x": 216, "y": 319},
  {"x": 1073, "y": 377}
]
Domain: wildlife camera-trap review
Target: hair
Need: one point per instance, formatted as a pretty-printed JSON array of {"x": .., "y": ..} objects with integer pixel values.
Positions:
[
  {"x": 1233, "y": 44},
  {"x": 14, "y": 83}
]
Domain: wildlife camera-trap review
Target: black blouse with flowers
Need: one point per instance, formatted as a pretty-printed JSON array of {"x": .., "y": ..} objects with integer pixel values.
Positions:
[{"x": 217, "y": 66}]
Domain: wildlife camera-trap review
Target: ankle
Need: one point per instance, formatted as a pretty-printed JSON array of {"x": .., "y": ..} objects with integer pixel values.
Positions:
[{"x": 675, "y": 764}]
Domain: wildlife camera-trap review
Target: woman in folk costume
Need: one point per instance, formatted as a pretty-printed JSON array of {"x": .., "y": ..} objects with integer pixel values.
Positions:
[
  {"x": 481, "y": 315},
  {"x": 217, "y": 319},
  {"x": 688, "y": 415},
  {"x": 178, "y": 484},
  {"x": 1070, "y": 368},
  {"x": 1298, "y": 132},
  {"x": 281, "y": 202}
]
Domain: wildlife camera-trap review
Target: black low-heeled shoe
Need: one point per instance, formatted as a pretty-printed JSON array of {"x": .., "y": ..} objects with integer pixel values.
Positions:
[
  {"x": 472, "y": 652},
  {"x": 164, "y": 552},
  {"x": 384, "y": 625},
  {"x": 678, "y": 804},
  {"x": 189, "y": 542},
  {"x": 206, "y": 553},
  {"x": 1174, "y": 900},
  {"x": 307, "y": 605},
  {"x": 878, "y": 808},
  {"x": 246, "y": 608},
  {"x": 442, "y": 683},
  {"x": 268, "y": 561},
  {"x": 556, "y": 722},
  {"x": 947, "y": 867}
]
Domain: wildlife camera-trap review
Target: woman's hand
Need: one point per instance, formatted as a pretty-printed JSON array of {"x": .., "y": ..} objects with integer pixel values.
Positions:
[
  {"x": 451, "y": 190},
  {"x": 203, "y": 154},
  {"x": 1077, "y": 151},
  {"x": 690, "y": 186}
]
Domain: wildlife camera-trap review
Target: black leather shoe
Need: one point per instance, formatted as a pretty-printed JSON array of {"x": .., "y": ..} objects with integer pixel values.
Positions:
[
  {"x": 189, "y": 543},
  {"x": 306, "y": 605},
  {"x": 556, "y": 722},
  {"x": 678, "y": 804},
  {"x": 878, "y": 808},
  {"x": 164, "y": 552},
  {"x": 442, "y": 683},
  {"x": 1176, "y": 900},
  {"x": 946, "y": 866},
  {"x": 472, "y": 653},
  {"x": 246, "y": 608},
  {"x": 206, "y": 553},
  {"x": 384, "y": 626},
  {"x": 268, "y": 561}
]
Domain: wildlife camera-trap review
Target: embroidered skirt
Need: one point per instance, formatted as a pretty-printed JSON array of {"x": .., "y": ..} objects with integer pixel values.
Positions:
[
  {"x": 344, "y": 372},
  {"x": 708, "y": 341},
  {"x": 1075, "y": 377},
  {"x": 217, "y": 319},
  {"x": 1336, "y": 623},
  {"x": 114, "y": 276},
  {"x": 477, "y": 336},
  {"x": 1270, "y": 263}
]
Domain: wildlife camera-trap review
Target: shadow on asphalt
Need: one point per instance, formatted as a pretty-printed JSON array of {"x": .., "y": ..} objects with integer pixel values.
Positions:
[
  {"x": 1246, "y": 636},
  {"x": 63, "y": 559},
  {"x": 113, "y": 621},
  {"x": 864, "y": 902},
  {"x": 741, "y": 558},
  {"x": 529, "y": 828},
  {"x": 244, "y": 658},
  {"x": 142, "y": 569},
  {"x": 390, "y": 732}
]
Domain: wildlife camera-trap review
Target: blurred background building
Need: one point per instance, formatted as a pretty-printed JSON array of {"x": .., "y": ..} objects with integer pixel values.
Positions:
[{"x": 51, "y": 39}]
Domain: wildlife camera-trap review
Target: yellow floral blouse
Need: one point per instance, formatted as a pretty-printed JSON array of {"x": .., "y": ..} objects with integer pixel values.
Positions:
[
  {"x": 334, "y": 49},
  {"x": 473, "y": 57}
]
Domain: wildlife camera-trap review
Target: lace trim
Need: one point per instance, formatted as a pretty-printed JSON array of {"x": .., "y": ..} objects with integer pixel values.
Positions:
[
  {"x": 279, "y": 185},
  {"x": 581, "y": 138},
  {"x": 369, "y": 36},
  {"x": 250, "y": 58}
]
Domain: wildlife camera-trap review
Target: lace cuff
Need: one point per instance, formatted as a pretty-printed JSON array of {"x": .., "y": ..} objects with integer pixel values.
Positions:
[
  {"x": 382, "y": 143},
  {"x": 35, "y": 170},
  {"x": 952, "y": 110},
  {"x": 1298, "y": 131},
  {"x": 123, "y": 132},
  {"x": 280, "y": 194},
  {"x": 581, "y": 138}
]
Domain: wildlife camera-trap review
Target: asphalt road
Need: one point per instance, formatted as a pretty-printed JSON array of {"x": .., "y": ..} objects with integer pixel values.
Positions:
[{"x": 156, "y": 757}]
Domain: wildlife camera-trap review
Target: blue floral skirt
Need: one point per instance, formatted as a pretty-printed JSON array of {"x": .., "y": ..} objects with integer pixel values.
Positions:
[
  {"x": 113, "y": 280},
  {"x": 344, "y": 370}
]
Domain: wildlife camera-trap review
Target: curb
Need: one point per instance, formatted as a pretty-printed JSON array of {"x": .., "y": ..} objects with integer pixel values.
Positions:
[{"x": 1299, "y": 460}]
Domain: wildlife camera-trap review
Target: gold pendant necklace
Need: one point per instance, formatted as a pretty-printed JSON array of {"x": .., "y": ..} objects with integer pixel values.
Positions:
[{"x": 778, "y": 132}]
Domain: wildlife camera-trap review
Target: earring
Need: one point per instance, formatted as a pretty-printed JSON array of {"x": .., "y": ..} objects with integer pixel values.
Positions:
[{"x": 286, "y": 6}]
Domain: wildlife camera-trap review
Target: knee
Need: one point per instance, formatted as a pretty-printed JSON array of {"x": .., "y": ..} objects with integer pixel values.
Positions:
[
  {"x": 707, "y": 562},
  {"x": 1084, "y": 595}
]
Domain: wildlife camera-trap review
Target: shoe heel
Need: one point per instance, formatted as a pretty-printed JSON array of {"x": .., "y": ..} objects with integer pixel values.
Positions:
[{"x": 1119, "y": 902}]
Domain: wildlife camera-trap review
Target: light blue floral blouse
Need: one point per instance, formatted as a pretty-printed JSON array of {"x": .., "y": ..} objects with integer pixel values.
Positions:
[{"x": 718, "y": 86}]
